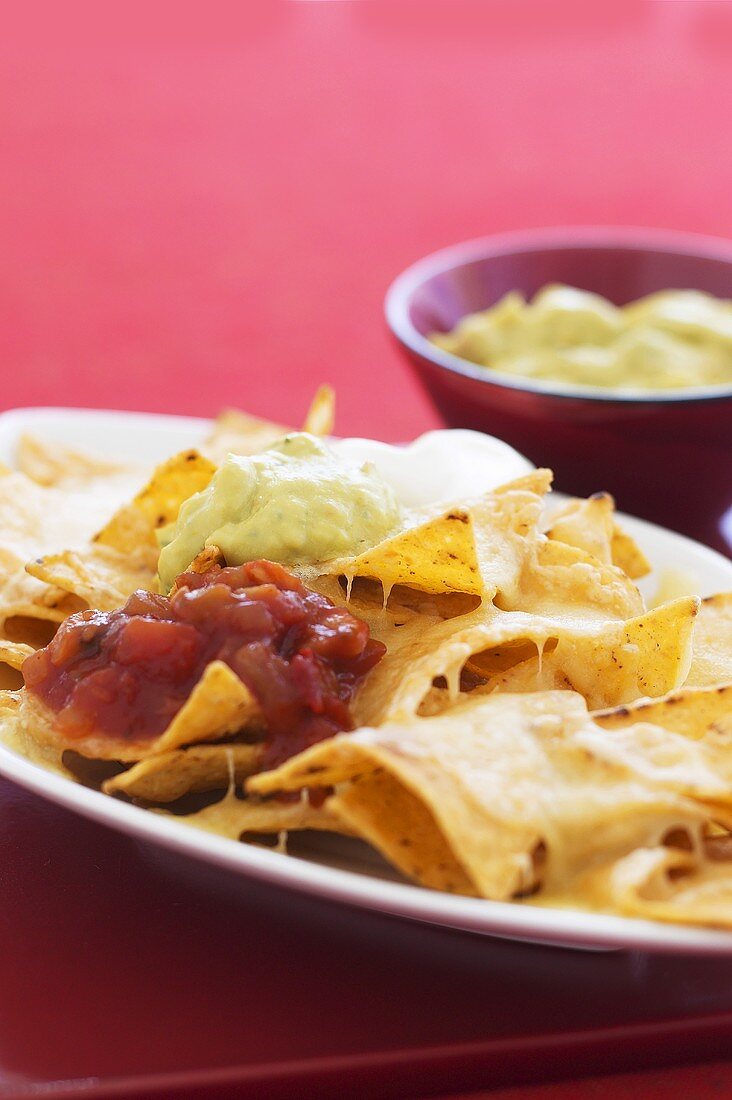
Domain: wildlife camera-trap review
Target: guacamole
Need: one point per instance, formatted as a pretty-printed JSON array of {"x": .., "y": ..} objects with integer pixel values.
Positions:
[
  {"x": 295, "y": 503},
  {"x": 672, "y": 339}
]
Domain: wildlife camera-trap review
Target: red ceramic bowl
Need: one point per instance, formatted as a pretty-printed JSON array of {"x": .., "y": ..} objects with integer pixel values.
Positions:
[{"x": 665, "y": 455}]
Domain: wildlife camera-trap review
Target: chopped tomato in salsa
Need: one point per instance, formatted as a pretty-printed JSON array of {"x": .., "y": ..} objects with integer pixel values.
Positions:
[{"x": 126, "y": 673}]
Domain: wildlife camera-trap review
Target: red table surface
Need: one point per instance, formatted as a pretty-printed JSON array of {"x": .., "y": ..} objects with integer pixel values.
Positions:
[{"x": 195, "y": 214}]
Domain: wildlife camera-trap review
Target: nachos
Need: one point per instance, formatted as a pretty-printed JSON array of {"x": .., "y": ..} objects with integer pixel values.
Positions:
[{"x": 261, "y": 637}]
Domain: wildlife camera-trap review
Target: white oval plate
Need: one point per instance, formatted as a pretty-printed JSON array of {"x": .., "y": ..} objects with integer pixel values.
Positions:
[{"x": 336, "y": 868}]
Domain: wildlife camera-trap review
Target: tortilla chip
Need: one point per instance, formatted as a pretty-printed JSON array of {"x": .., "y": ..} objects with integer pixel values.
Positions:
[
  {"x": 9, "y": 703},
  {"x": 158, "y": 503},
  {"x": 123, "y": 556},
  {"x": 53, "y": 464},
  {"x": 15, "y": 734},
  {"x": 209, "y": 557},
  {"x": 234, "y": 817},
  {"x": 100, "y": 576},
  {"x": 475, "y": 548},
  {"x": 437, "y": 556},
  {"x": 239, "y": 433},
  {"x": 12, "y": 655},
  {"x": 692, "y": 712},
  {"x": 587, "y": 525},
  {"x": 506, "y": 783},
  {"x": 320, "y": 417},
  {"x": 627, "y": 554},
  {"x": 35, "y": 520},
  {"x": 565, "y": 581},
  {"x": 384, "y": 812},
  {"x": 610, "y": 663},
  {"x": 418, "y": 651},
  {"x": 698, "y": 769},
  {"x": 662, "y": 883},
  {"x": 172, "y": 774},
  {"x": 712, "y": 657},
  {"x": 36, "y": 623},
  {"x": 590, "y": 525},
  {"x": 218, "y": 705}
]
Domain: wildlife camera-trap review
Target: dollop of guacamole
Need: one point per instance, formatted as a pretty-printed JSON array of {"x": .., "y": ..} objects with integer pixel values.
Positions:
[
  {"x": 296, "y": 503},
  {"x": 668, "y": 340}
]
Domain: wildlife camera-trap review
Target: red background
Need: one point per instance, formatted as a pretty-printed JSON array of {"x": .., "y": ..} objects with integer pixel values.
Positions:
[{"x": 196, "y": 213}]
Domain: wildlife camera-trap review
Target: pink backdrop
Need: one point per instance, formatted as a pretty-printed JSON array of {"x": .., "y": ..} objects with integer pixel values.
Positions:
[{"x": 195, "y": 215}]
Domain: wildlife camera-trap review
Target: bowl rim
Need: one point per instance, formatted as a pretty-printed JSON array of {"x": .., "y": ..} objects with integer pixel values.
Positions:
[{"x": 556, "y": 238}]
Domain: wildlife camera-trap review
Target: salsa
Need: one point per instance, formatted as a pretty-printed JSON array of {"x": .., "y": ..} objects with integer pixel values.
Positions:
[{"x": 126, "y": 673}]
